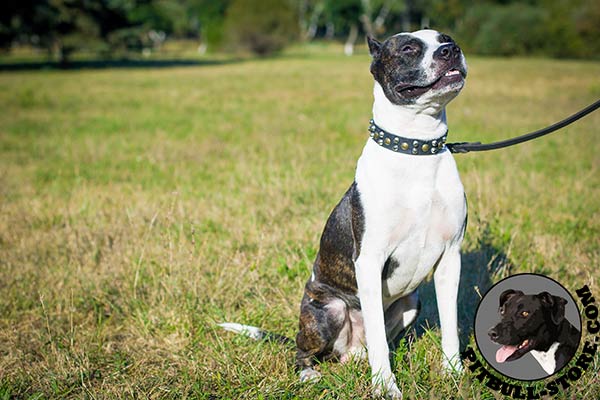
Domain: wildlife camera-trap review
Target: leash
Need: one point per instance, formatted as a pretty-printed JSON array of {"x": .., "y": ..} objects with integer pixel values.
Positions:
[{"x": 465, "y": 147}]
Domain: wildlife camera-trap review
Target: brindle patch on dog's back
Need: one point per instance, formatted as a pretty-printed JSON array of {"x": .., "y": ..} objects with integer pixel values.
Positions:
[{"x": 340, "y": 243}]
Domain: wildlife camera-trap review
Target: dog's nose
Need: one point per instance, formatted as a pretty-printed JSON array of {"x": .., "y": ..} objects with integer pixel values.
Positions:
[
  {"x": 493, "y": 334},
  {"x": 447, "y": 52}
]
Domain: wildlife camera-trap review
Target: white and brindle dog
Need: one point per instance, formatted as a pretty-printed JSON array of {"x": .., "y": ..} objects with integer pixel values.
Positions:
[{"x": 402, "y": 218}]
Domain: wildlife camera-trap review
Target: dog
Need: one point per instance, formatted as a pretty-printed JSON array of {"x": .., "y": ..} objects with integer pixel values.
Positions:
[
  {"x": 403, "y": 217},
  {"x": 534, "y": 324}
]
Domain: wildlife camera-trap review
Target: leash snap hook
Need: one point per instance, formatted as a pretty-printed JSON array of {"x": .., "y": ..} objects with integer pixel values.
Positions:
[{"x": 461, "y": 147}]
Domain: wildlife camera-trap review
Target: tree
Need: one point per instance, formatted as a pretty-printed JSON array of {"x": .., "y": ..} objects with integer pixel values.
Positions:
[
  {"x": 101, "y": 26},
  {"x": 211, "y": 16},
  {"x": 63, "y": 26},
  {"x": 355, "y": 16},
  {"x": 309, "y": 14},
  {"x": 344, "y": 16},
  {"x": 261, "y": 26}
]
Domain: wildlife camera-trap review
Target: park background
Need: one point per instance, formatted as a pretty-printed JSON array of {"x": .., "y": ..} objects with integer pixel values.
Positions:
[
  {"x": 122, "y": 29},
  {"x": 168, "y": 165}
]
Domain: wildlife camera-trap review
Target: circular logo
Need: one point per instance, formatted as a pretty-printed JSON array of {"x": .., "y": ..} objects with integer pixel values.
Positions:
[{"x": 527, "y": 327}]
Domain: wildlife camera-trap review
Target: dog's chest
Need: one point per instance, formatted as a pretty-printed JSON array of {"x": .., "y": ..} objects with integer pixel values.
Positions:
[
  {"x": 547, "y": 359},
  {"x": 413, "y": 211}
]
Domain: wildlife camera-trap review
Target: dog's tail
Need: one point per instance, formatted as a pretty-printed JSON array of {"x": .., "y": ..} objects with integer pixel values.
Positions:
[{"x": 256, "y": 333}]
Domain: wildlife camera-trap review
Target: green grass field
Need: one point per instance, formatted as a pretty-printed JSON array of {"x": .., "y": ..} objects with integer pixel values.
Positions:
[{"x": 139, "y": 207}]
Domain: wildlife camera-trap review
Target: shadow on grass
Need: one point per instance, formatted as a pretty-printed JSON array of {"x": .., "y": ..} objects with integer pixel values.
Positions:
[
  {"x": 105, "y": 64},
  {"x": 478, "y": 269}
]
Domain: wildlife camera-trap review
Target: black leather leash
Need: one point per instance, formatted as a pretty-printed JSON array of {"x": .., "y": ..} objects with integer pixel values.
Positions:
[{"x": 465, "y": 147}]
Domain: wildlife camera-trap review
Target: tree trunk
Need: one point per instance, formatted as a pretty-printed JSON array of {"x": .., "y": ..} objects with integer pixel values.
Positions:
[
  {"x": 352, "y": 36},
  {"x": 64, "y": 54},
  {"x": 372, "y": 28},
  {"x": 329, "y": 30},
  {"x": 381, "y": 17},
  {"x": 365, "y": 18},
  {"x": 314, "y": 20}
]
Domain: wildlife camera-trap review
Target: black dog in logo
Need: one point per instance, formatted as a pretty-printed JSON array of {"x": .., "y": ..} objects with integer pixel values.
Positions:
[{"x": 536, "y": 324}]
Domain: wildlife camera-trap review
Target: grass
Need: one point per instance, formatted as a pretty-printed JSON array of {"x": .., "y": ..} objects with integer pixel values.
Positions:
[{"x": 139, "y": 207}]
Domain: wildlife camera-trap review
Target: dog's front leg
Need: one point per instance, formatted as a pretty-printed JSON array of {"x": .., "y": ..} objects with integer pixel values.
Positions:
[
  {"x": 368, "y": 278},
  {"x": 446, "y": 279}
]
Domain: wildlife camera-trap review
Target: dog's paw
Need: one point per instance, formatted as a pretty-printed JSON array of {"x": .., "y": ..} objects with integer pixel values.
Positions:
[
  {"x": 386, "y": 390},
  {"x": 452, "y": 366},
  {"x": 353, "y": 355},
  {"x": 309, "y": 375}
]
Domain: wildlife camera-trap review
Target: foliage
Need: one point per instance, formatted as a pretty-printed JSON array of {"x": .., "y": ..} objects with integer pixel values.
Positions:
[
  {"x": 343, "y": 13},
  {"x": 445, "y": 14},
  {"x": 64, "y": 26},
  {"x": 587, "y": 23},
  {"x": 261, "y": 26},
  {"x": 504, "y": 30},
  {"x": 211, "y": 15},
  {"x": 106, "y": 26},
  {"x": 556, "y": 28},
  {"x": 520, "y": 29}
]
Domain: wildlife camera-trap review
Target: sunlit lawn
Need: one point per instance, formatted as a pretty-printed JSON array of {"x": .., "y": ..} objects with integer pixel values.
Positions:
[{"x": 138, "y": 207}]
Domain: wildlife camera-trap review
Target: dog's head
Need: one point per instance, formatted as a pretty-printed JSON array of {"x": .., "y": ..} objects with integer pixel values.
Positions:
[
  {"x": 528, "y": 322},
  {"x": 420, "y": 68}
]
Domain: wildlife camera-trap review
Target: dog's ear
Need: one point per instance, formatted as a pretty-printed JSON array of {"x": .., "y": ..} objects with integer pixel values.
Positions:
[
  {"x": 507, "y": 294},
  {"x": 556, "y": 304},
  {"x": 374, "y": 46}
]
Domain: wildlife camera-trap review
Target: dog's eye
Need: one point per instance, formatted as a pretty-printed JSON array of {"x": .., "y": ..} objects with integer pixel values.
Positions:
[
  {"x": 408, "y": 49},
  {"x": 524, "y": 313}
]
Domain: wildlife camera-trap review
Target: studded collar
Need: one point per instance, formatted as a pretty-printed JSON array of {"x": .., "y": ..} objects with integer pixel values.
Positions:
[{"x": 399, "y": 144}]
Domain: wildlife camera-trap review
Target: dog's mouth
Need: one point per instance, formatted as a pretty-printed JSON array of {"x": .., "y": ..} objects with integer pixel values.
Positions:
[
  {"x": 511, "y": 353},
  {"x": 451, "y": 76}
]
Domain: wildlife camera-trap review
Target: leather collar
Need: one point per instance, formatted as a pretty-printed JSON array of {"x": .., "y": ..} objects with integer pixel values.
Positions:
[{"x": 400, "y": 144}]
